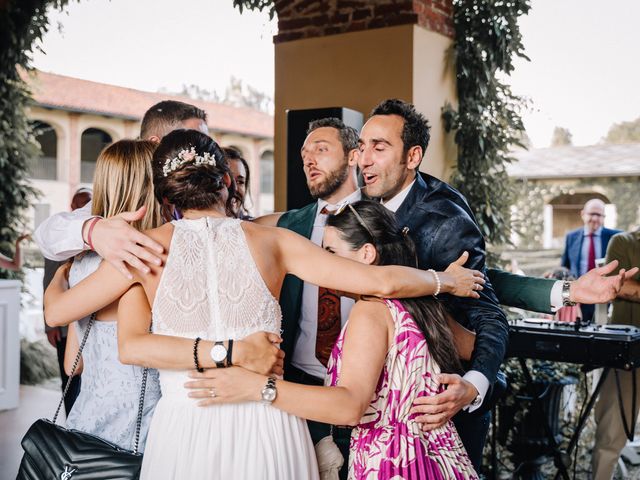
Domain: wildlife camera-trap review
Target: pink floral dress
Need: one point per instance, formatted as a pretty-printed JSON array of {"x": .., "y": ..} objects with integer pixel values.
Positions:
[{"x": 388, "y": 444}]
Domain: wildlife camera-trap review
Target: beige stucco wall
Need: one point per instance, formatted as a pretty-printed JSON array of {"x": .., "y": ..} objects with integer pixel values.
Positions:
[
  {"x": 357, "y": 70},
  {"x": 433, "y": 86}
]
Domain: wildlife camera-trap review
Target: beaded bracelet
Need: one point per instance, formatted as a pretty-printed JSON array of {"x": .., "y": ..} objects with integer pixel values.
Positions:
[
  {"x": 438, "y": 284},
  {"x": 195, "y": 355}
]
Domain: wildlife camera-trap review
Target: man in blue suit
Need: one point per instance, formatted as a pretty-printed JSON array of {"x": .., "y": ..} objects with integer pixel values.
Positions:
[{"x": 584, "y": 245}]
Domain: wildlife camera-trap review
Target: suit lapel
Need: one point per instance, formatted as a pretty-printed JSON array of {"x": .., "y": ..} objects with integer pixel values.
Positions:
[{"x": 417, "y": 191}]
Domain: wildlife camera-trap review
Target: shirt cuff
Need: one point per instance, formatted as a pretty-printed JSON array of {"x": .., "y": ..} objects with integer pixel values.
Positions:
[
  {"x": 481, "y": 383},
  {"x": 555, "y": 298}
]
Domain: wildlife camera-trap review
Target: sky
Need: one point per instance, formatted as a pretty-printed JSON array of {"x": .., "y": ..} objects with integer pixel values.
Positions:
[{"x": 584, "y": 73}]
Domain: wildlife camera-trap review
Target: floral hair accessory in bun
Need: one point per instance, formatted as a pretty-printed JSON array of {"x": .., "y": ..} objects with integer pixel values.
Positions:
[{"x": 187, "y": 156}]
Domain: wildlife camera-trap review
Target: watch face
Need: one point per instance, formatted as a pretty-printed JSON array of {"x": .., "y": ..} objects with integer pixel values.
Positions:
[
  {"x": 218, "y": 353},
  {"x": 268, "y": 394}
]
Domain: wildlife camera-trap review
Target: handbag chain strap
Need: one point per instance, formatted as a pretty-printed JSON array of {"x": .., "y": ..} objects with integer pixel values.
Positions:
[{"x": 143, "y": 386}]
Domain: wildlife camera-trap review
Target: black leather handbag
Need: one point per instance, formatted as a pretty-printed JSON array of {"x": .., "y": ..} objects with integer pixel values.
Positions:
[{"x": 54, "y": 452}]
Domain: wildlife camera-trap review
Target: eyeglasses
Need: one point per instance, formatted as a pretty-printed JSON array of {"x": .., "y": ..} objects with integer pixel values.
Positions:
[
  {"x": 357, "y": 215},
  {"x": 594, "y": 214}
]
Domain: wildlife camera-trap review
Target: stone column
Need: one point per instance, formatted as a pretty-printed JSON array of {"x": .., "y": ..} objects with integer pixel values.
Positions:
[
  {"x": 74, "y": 152},
  {"x": 356, "y": 53}
]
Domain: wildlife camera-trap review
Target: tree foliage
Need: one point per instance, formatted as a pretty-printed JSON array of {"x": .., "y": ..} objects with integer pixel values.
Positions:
[
  {"x": 487, "y": 122},
  {"x": 259, "y": 5},
  {"x": 624, "y": 132},
  {"x": 22, "y": 24},
  {"x": 561, "y": 137}
]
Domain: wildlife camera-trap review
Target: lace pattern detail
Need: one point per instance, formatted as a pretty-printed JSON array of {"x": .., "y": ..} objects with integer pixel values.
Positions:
[{"x": 211, "y": 286}]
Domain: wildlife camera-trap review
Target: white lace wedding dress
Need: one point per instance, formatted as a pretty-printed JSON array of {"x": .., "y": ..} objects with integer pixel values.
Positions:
[{"x": 211, "y": 288}]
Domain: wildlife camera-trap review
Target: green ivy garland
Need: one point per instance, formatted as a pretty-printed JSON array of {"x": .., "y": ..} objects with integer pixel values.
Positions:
[
  {"x": 22, "y": 24},
  {"x": 487, "y": 122}
]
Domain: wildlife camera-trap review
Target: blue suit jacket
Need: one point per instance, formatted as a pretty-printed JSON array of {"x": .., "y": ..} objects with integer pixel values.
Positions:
[
  {"x": 442, "y": 226},
  {"x": 573, "y": 248}
]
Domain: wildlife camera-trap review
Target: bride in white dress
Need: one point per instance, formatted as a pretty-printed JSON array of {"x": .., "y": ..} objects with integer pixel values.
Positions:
[{"x": 220, "y": 282}]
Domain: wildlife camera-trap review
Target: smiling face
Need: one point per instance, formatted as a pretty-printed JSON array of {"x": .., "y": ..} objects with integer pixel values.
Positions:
[
  {"x": 593, "y": 215},
  {"x": 324, "y": 162},
  {"x": 239, "y": 175},
  {"x": 386, "y": 167}
]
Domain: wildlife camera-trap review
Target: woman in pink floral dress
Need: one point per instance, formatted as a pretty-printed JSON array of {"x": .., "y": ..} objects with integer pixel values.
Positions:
[{"x": 388, "y": 354}]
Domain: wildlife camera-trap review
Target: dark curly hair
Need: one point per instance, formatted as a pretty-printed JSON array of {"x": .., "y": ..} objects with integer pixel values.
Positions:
[
  {"x": 415, "y": 130},
  {"x": 191, "y": 186},
  {"x": 378, "y": 226}
]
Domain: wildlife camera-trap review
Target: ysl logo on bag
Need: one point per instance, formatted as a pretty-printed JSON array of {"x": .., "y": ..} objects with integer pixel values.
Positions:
[{"x": 68, "y": 471}]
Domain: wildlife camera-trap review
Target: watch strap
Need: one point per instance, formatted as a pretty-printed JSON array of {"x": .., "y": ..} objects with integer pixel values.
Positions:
[{"x": 229, "y": 353}]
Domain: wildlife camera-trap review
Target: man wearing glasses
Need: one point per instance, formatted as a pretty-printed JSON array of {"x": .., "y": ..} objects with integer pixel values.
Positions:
[{"x": 585, "y": 244}]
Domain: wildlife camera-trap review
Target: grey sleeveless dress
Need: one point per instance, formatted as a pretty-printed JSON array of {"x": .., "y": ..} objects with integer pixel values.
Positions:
[{"x": 108, "y": 402}]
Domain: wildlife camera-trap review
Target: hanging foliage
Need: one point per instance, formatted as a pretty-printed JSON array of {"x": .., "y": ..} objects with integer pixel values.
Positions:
[
  {"x": 22, "y": 24},
  {"x": 259, "y": 5},
  {"x": 487, "y": 122}
]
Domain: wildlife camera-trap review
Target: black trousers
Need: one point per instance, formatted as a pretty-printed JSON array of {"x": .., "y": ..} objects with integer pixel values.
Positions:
[
  {"x": 473, "y": 429},
  {"x": 74, "y": 388},
  {"x": 341, "y": 435}
]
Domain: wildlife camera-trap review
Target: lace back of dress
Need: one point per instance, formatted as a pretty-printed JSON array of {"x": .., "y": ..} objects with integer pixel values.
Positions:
[{"x": 210, "y": 286}]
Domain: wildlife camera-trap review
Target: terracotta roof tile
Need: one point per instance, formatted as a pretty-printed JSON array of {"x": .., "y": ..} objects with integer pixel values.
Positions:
[
  {"x": 617, "y": 160},
  {"x": 58, "y": 91}
]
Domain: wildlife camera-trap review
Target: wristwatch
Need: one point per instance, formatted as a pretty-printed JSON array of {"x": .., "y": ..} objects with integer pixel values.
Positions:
[
  {"x": 269, "y": 392},
  {"x": 566, "y": 294},
  {"x": 219, "y": 354},
  {"x": 476, "y": 401}
]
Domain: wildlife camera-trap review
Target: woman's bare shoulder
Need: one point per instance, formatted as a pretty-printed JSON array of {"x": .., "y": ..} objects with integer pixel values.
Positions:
[
  {"x": 370, "y": 309},
  {"x": 161, "y": 234}
]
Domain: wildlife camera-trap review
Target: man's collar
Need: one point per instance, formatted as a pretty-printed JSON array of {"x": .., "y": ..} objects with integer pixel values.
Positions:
[
  {"x": 597, "y": 233},
  {"x": 351, "y": 198},
  {"x": 394, "y": 203}
]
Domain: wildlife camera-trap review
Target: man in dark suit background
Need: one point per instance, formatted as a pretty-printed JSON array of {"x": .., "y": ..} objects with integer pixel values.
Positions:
[{"x": 586, "y": 244}]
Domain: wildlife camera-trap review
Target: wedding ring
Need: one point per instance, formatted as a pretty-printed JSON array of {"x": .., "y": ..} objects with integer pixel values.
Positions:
[{"x": 212, "y": 392}]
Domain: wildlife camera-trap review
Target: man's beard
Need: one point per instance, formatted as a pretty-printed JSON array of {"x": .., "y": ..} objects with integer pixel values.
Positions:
[{"x": 332, "y": 183}]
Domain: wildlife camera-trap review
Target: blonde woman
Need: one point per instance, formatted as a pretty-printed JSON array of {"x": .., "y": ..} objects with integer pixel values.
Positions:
[{"x": 108, "y": 402}]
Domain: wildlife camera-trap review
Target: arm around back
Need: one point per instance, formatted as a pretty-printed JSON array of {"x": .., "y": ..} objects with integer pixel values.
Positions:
[
  {"x": 59, "y": 237},
  {"x": 518, "y": 291}
]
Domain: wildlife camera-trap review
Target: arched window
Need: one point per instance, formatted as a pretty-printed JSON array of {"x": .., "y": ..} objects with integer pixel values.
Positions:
[
  {"x": 45, "y": 165},
  {"x": 266, "y": 172},
  {"x": 92, "y": 142},
  {"x": 266, "y": 199}
]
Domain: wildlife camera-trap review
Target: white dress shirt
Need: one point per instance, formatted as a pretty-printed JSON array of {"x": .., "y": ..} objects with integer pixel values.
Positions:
[
  {"x": 60, "y": 236},
  {"x": 304, "y": 353}
]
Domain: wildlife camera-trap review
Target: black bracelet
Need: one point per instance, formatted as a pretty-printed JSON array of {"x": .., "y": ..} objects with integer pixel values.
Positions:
[
  {"x": 195, "y": 355},
  {"x": 229, "y": 350}
]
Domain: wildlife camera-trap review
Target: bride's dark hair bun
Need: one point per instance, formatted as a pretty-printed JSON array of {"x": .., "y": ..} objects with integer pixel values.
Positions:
[{"x": 193, "y": 184}]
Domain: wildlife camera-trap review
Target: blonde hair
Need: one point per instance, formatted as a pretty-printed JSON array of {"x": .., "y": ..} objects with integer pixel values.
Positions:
[{"x": 123, "y": 182}]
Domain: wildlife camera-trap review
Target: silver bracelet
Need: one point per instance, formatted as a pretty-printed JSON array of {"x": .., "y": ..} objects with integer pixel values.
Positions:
[{"x": 438, "y": 284}]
